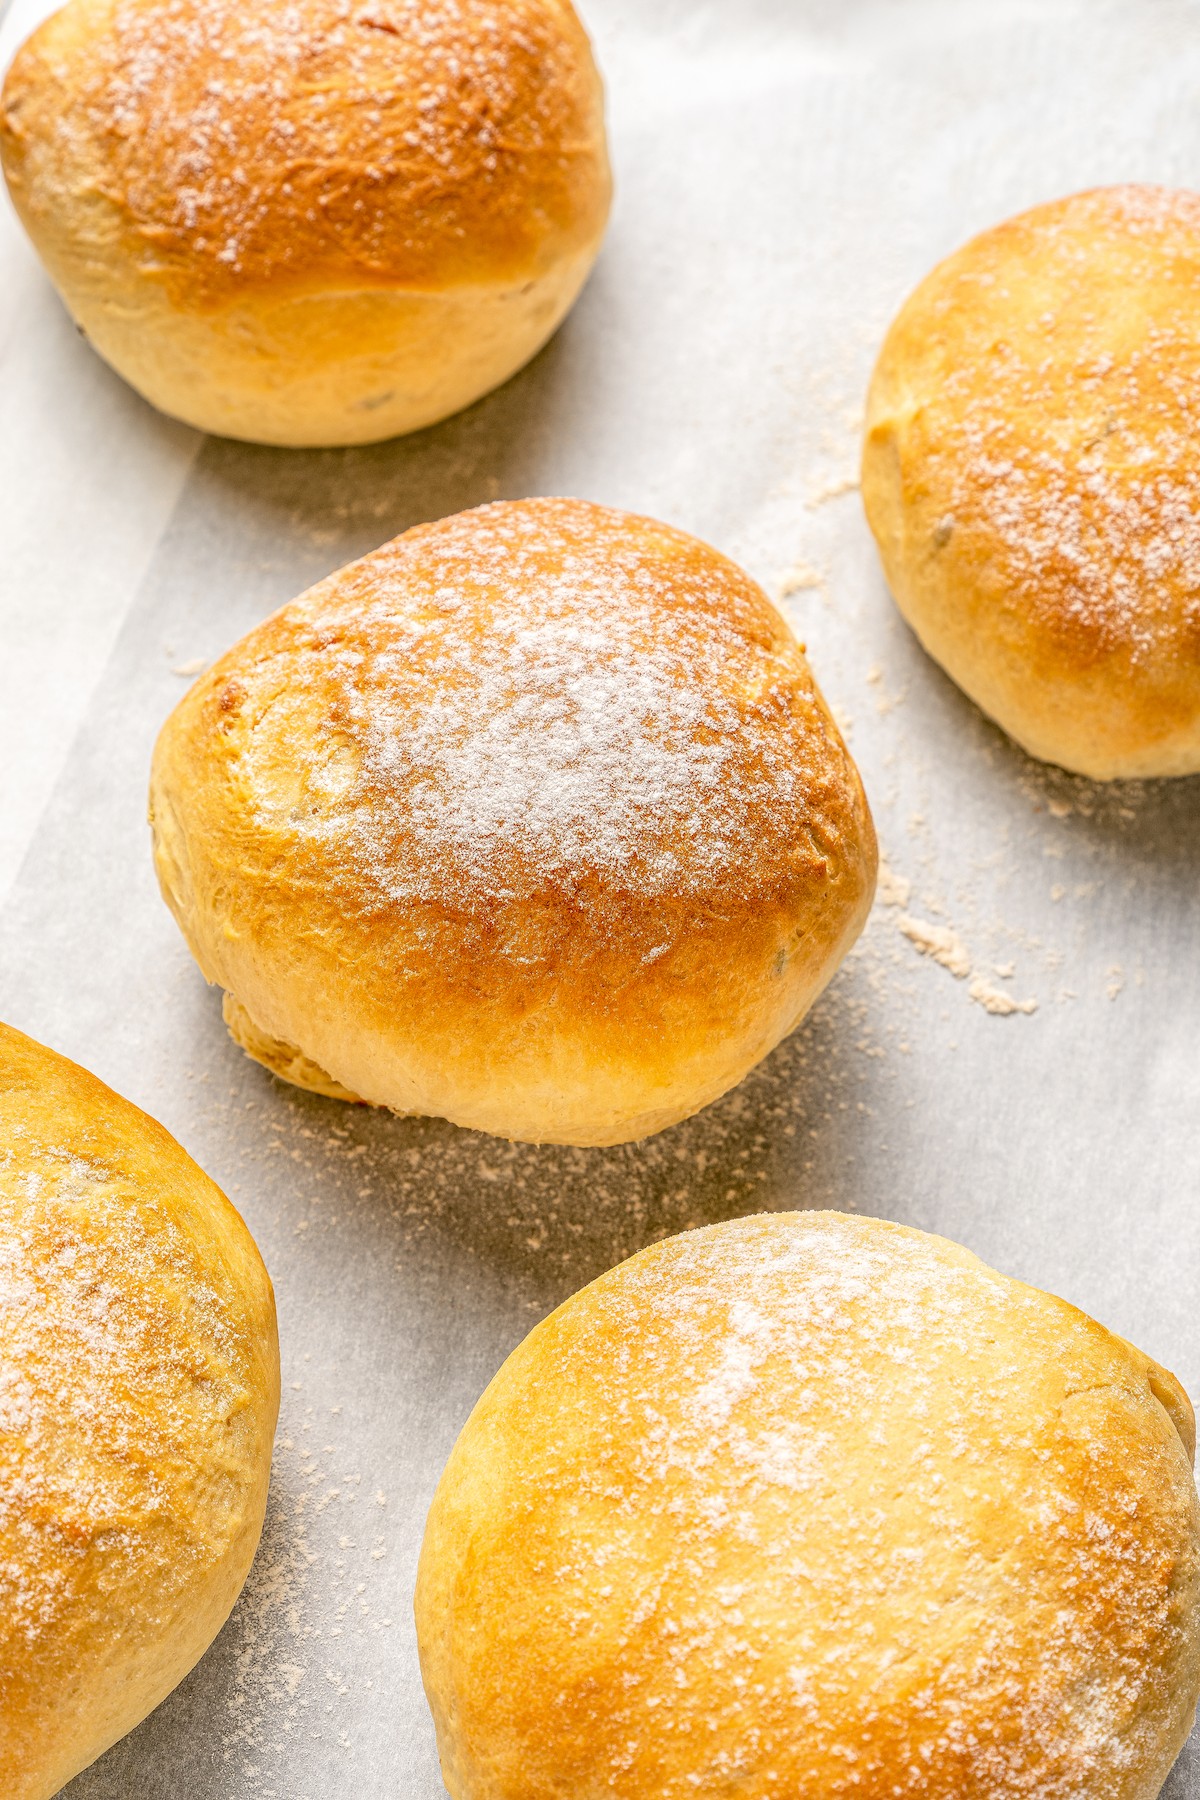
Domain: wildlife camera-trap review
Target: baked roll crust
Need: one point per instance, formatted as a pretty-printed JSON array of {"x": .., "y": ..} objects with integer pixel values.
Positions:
[
  {"x": 815, "y": 1506},
  {"x": 139, "y": 1386},
  {"x": 1030, "y": 475},
  {"x": 533, "y": 819},
  {"x": 312, "y": 223}
]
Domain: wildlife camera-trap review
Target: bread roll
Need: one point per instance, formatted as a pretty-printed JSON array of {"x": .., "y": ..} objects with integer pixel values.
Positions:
[
  {"x": 1032, "y": 478},
  {"x": 534, "y": 820},
  {"x": 139, "y": 1383},
  {"x": 320, "y": 222},
  {"x": 807, "y": 1507}
]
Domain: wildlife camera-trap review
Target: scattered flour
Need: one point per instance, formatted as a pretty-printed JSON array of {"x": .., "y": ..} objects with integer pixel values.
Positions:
[
  {"x": 943, "y": 946},
  {"x": 937, "y": 942},
  {"x": 798, "y": 579},
  {"x": 995, "y": 1001}
]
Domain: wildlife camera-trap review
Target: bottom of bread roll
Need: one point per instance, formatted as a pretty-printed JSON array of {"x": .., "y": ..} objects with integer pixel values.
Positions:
[
  {"x": 324, "y": 368},
  {"x": 289, "y": 1063}
]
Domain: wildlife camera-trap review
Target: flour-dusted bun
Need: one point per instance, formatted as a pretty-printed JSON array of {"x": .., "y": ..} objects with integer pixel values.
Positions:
[
  {"x": 139, "y": 1383},
  {"x": 534, "y": 820},
  {"x": 808, "y": 1507},
  {"x": 311, "y": 222},
  {"x": 1032, "y": 476}
]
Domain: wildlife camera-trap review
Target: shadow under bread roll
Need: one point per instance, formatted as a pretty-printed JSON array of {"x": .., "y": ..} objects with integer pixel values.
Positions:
[
  {"x": 534, "y": 820},
  {"x": 139, "y": 1387},
  {"x": 822, "y": 1508},
  {"x": 313, "y": 222}
]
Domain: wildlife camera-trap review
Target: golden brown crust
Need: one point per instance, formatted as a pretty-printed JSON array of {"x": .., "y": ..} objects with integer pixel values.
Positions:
[
  {"x": 1030, "y": 476},
  {"x": 534, "y": 819},
  {"x": 321, "y": 145},
  {"x": 139, "y": 1383},
  {"x": 815, "y": 1506}
]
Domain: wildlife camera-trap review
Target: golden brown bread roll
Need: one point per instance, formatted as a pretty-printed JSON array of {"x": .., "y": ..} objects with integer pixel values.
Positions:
[
  {"x": 324, "y": 222},
  {"x": 139, "y": 1383},
  {"x": 817, "y": 1507},
  {"x": 534, "y": 820},
  {"x": 1031, "y": 476}
]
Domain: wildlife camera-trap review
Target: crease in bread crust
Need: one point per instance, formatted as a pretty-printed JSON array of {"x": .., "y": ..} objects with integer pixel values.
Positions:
[{"x": 284, "y": 1060}]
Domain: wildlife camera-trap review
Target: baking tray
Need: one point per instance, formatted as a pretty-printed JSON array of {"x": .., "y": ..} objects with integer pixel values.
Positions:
[{"x": 786, "y": 171}]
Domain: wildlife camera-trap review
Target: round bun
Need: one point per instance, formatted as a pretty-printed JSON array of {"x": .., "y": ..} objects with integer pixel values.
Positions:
[
  {"x": 534, "y": 820},
  {"x": 1031, "y": 476},
  {"x": 139, "y": 1383},
  {"x": 815, "y": 1507},
  {"x": 324, "y": 222}
]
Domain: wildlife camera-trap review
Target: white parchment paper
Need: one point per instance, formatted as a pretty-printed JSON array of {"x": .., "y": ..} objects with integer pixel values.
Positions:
[{"x": 787, "y": 169}]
